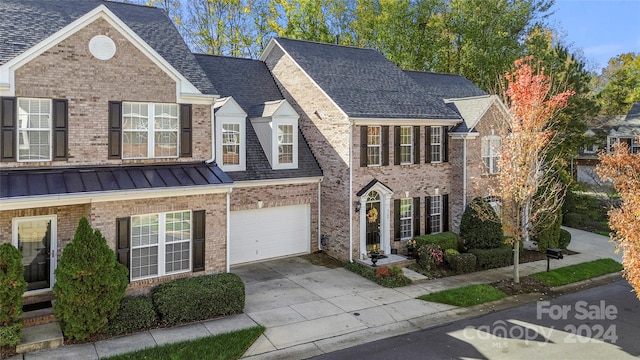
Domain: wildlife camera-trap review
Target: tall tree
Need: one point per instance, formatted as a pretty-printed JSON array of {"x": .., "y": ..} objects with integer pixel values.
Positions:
[
  {"x": 623, "y": 169},
  {"x": 620, "y": 82},
  {"x": 528, "y": 187}
]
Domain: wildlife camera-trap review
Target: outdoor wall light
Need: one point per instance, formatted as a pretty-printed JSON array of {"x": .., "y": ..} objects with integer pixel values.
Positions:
[
  {"x": 260, "y": 204},
  {"x": 357, "y": 205},
  {"x": 437, "y": 190}
]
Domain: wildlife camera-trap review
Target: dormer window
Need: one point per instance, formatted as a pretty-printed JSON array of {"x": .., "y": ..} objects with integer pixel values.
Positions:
[
  {"x": 285, "y": 144},
  {"x": 230, "y": 138},
  {"x": 277, "y": 131}
]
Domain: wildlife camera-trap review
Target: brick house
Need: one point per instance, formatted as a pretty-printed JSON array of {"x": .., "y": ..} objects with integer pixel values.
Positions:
[
  {"x": 401, "y": 152},
  {"x": 105, "y": 113}
]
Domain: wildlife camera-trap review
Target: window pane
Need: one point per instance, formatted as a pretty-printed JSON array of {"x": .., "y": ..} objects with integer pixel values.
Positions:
[
  {"x": 406, "y": 218},
  {"x": 135, "y": 130},
  {"x": 406, "y": 145},
  {"x": 178, "y": 240},
  {"x": 34, "y": 129},
  {"x": 134, "y": 144},
  {"x": 285, "y": 144},
  {"x": 231, "y": 144},
  {"x": 166, "y": 143},
  {"x": 373, "y": 145},
  {"x": 436, "y": 214},
  {"x": 436, "y": 143}
]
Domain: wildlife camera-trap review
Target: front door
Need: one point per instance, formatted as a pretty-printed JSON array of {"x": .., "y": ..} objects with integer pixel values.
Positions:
[
  {"x": 35, "y": 238},
  {"x": 372, "y": 216}
]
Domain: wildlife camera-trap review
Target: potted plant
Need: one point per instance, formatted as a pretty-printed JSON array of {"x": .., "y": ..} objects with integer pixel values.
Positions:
[
  {"x": 373, "y": 254},
  {"x": 411, "y": 247}
]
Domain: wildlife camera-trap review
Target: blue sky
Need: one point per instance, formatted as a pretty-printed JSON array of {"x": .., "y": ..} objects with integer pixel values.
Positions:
[{"x": 602, "y": 29}]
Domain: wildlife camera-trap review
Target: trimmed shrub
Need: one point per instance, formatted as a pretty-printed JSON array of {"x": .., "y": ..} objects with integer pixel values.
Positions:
[
  {"x": 481, "y": 232},
  {"x": 135, "y": 314},
  {"x": 89, "y": 284},
  {"x": 576, "y": 220},
  {"x": 493, "y": 258},
  {"x": 429, "y": 256},
  {"x": 464, "y": 263},
  {"x": 450, "y": 255},
  {"x": 565, "y": 239},
  {"x": 549, "y": 236},
  {"x": 446, "y": 240},
  {"x": 12, "y": 287},
  {"x": 198, "y": 298}
]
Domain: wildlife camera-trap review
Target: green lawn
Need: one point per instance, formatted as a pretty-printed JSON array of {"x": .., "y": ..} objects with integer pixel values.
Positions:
[
  {"x": 466, "y": 296},
  {"x": 220, "y": 347},
  {"x": 569, "y": 274}
]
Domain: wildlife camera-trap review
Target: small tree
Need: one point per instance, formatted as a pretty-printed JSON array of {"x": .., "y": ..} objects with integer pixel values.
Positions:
[
  {"x": 12, "y": 287},
  {"x": 623, "y": 169},
  {"x": 89, "y": 284},
  {"x": 480, "y": 227}
]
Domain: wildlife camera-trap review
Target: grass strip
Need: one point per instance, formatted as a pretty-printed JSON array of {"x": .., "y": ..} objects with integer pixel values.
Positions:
[
  {"x": 466, "y": 296},
  {"x": 219, "y": 347},
  {"x": 574, "y": 273}
]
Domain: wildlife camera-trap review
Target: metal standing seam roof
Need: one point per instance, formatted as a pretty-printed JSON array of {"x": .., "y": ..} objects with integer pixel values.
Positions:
[
  {"x": 15, "y": 183},
  {"x": 364, "y": 83},
  {"x": 27, "y": 22}
]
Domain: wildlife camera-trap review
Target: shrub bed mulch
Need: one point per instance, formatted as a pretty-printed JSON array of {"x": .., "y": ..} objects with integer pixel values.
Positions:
[{"x": 527, "y": 285}]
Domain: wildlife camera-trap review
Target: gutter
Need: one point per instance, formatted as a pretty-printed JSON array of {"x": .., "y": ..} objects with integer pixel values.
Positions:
[
  {"x": 320, "y": 214},
  {"x": 213, "y": 138},
  {"x": 229, "y": 230},
  {"x": 351, "y": 191},
  {"x": 464, "y": 173}
]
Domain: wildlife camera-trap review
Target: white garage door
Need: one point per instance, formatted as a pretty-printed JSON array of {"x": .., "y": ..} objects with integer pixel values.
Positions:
[{"x": 268, "y": 233}]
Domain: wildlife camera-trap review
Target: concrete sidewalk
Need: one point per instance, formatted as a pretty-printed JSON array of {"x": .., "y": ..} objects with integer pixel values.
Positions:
[{"x": 309, "y": 310}]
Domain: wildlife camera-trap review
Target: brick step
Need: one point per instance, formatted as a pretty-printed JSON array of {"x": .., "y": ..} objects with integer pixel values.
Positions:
[
  {"x": 38, "y": 317},
  {"x": 38, "y": 337}
]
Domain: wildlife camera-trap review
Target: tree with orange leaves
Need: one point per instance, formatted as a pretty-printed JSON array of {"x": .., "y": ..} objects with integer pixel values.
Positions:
[
  {"x": 527, "y": 184},
  {"x": 623, "y": 169}
]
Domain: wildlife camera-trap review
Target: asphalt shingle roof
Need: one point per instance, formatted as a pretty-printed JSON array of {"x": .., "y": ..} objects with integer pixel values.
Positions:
[
  {"x": 27, "y": 22},
  {"x": 251, "y": 84},
  {"x": 445, "y": 86},
  {"x": 364, "y": 83}
]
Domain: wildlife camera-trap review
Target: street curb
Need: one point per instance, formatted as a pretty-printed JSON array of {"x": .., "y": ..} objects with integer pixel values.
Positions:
[{"x": 585, "y": 284}]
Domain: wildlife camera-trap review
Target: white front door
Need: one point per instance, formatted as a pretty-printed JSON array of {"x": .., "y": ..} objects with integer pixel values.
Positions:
[
  {"x": 375, "y": 223},
  {"x": 35, "y": 237}
]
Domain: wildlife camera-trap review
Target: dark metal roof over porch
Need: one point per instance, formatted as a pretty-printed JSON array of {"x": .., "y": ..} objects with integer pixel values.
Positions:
[{"x": 15, "y": 183}]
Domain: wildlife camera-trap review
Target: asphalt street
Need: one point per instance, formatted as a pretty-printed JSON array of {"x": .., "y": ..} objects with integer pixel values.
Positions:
[{"x": 598, "y": 323}]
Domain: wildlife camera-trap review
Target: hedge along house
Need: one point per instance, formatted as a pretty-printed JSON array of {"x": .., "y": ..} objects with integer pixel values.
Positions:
[{"x": 105, "y": 113}]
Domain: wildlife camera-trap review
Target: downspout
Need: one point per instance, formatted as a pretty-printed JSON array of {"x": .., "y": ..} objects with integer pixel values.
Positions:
[
  {"x": 213, "y": 138},
  {"x": 464, "y": 173},
  {"x": 229, "y": 230},
  {"x": 351, "y": 191},
  {"x": 320, "y": 214}
]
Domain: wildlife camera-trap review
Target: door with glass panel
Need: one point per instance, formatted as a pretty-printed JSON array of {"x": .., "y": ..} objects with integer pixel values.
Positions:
[{"x": 36, "y": 240}]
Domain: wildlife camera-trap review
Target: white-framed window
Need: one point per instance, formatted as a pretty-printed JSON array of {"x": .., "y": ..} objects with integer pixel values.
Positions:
[
  {"x": 491, "y": 146},
  {"x": 590, "y": 149},
  {"x": 149, "y": 130},
  {"x": 436, "y": 214},
  {"x": 160, "y": 244},
  {"x": 406, "y": 219},
  {"x": 231, "y": 144},
  {"x": 374, "y": 145},
  {"x": 34, "y": 129},
  {"x": 436, "y": 144},
  {"x": 285, "y": 144},
  {"x": 406, "y": 145}
]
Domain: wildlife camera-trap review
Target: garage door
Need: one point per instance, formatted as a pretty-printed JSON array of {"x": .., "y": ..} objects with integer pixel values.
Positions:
[{"x": 268, "y": 233}]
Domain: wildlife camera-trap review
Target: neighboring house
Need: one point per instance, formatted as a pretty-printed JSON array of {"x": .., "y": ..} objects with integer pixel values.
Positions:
[
  {"x": 399, "y": 156},
  {"x": 105, "y": 113},
  {"x": 604, "y": 132}
]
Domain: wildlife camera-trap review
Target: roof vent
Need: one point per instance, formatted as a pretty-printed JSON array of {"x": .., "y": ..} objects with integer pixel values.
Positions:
[{"x": 102, "y": 47}]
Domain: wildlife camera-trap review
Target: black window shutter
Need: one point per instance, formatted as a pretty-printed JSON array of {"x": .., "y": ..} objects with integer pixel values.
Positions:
[
  {"x": 427, "y": 214},
  {"x": 445, "y": 144},
  {"x": 416, "y": 144},
  {"x": 396, "y": 145},
  {"x": 8, "y": 116},
  {"x": 60, "y": 126},
  {"x": 427, "y": 145},
  {"x": 363, "y": 146},
  {"x": 396, "y": 223},
  {"x": 115, "y": 129},
  {"x": 185, "y": 130},
  {"x": 385, "y": 146},
  {"x": 416, "y": 216},
  {"x": 445, "y": 212},
  {"x": 123, "y": 239},
  {"x": 199, "y": 225}
]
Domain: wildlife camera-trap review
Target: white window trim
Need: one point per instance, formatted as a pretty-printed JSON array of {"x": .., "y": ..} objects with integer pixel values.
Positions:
[
  {"x": 590, "y": 149},
  {"x": 438, "y": 144},
  {"x": 409, "y": 145},
  {"x": 274, "y": 143},
  {"x": 409, "y": 218},
  {"x": 493, "y": 157},
  {"x": 162, "y": 256},
  {"x": 378, "y": 146},
  {"x": 432, "y": 213},
  {"x": 21, "y": 130},
  {"x": 220, "y": 121},
  {"x": 150, "y": 132}
]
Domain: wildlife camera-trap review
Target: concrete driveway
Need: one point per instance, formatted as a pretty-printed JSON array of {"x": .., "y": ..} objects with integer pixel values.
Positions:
[{"x": 301, "y": 303}]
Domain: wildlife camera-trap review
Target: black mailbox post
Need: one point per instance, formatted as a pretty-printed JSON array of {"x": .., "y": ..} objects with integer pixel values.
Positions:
[{"x": 553, "y": 253}]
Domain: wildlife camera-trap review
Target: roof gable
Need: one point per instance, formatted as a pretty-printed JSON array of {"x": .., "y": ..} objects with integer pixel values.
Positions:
[
  {"x": 362, "y": 82},
  {"x": 30, "y": 27}
]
